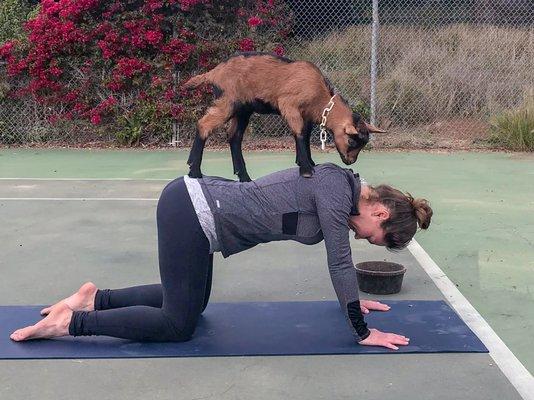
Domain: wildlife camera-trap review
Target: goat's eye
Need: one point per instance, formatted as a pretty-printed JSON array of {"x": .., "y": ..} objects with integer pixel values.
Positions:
[{"x": 352, "y": 142}]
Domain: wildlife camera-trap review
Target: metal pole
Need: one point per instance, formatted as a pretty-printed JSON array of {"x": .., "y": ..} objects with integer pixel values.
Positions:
[
  {"x": 374, "y": 60},
  {"x": 175, "y": 79}
]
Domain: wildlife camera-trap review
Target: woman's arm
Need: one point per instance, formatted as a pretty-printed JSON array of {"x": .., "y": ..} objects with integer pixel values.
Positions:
[{"x": 333, "y": 202}]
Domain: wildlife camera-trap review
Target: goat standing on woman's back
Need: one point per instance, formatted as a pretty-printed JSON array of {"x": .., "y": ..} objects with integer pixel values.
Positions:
[{"x": 267, "y": 84}]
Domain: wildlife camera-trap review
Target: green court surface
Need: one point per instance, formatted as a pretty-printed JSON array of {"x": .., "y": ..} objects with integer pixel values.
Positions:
[{"x": 482, "y": 234}]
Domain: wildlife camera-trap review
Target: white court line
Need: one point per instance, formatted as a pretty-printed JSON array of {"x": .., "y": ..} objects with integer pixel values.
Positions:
[
  {"x": 78, "y": 198},
  {"x": 512, "y": 368}
]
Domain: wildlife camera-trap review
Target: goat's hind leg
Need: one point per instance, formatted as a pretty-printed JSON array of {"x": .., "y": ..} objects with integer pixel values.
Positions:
[
  {"x": 238, "y": 124},
  {"x": 195, "y": 157},
  {"x": 298, "y": 126},
  {"x": 216, "y": 116}
]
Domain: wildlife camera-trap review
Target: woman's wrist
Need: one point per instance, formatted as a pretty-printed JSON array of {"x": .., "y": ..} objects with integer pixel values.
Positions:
[{"x": 364, "y": 336}]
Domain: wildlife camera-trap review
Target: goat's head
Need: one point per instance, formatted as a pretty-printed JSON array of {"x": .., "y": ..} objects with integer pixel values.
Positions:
[{"x": 352, "y": 136}]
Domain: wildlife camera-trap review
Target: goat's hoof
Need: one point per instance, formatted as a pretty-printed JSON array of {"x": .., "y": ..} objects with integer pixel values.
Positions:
[
  {"x": 306, "y": 172},
  {"x": 245, "y": 179},
  {"x": 195, "y": 174}
]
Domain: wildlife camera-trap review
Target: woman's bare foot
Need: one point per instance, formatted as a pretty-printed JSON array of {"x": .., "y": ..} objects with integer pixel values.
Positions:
[
  {"x": 82, "y": 300},
  {"x": 54, "y": 325}
]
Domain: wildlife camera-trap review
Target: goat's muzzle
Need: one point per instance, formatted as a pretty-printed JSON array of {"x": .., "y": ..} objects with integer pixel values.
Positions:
[{"x": 355, "y": 144}]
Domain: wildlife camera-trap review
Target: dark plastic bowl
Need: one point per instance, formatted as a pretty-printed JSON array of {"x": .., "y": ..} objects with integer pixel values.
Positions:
[{"x": 380, "y": 277}]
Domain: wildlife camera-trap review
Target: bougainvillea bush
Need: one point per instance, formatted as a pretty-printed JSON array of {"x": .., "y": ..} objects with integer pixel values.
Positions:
[{"x": 119, "y": 64}]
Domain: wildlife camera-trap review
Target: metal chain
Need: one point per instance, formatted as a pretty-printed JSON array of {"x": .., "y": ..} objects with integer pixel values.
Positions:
[{"x": 326, "y": 111}]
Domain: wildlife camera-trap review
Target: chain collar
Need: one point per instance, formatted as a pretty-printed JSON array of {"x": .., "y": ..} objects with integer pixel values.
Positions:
[{"x": 322, "y": 126}]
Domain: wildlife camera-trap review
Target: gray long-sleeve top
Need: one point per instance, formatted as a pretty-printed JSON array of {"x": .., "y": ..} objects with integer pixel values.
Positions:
[{"x": 286, "y": 206}]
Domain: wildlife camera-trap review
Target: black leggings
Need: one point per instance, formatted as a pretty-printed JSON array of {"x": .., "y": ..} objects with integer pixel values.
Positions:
[{"x": 162, "y": 312}]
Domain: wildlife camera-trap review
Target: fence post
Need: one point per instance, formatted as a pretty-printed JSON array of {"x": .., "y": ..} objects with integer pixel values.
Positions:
[
  {"x": 175, "y": 79},
  {"x": 374, "y": 60},
  {"x": 175, "y": 127}
]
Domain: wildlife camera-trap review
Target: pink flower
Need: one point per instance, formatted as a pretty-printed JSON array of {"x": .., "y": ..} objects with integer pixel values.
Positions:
[
  {"x": 79, "y": 107},
  {"x": 177, "y": 110},
  {"x": 96, "y": 119},
  {"x": 5, "y": 50},
  {"x": 115, "y": 86},
  {"x": 55, "y": 71},
  {"x": 279, "y": 50},
  {"x": 71, "y": 96},
  {"x": 153, "y": 5},
  {"x": 204, "y": 61},
  {"x": 254, "y": 21},
  {"x": 186, "y": 5},
  {"x": 108, "y": 103},
  {"x": 169, "y": 94},
  {"x": 246, "y": 44},
  {"x": 186, "y": 33},
  {"x": 154, "y": 37},
  {"x": 156, "y": 81},
  {"x": 179, "y": 50},
  {"x": 128, "y": 67},
  {"x": 53, "y": 119}
]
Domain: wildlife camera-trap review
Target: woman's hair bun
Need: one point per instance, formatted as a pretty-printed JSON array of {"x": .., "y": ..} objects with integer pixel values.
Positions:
[{"x": 423, "y": 212}]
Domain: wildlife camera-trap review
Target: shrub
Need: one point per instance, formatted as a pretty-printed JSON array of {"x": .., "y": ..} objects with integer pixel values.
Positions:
[
  {"x": 515, "y": 129},
  {"x": 97, "y": 60},
  {"x": 13, "y": 13}
]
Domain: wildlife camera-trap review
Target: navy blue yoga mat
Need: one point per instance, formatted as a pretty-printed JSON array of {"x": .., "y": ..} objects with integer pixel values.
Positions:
[{"x": 277, "y": 328}]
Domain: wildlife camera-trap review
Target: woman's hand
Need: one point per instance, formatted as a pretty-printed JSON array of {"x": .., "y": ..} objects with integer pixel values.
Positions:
[
  {"x": 371, "y": 305},
  {"x": 389, "y": 340}
]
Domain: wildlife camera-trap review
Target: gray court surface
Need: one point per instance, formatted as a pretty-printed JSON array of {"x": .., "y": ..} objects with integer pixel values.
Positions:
[{"x": 50, "y": 245}]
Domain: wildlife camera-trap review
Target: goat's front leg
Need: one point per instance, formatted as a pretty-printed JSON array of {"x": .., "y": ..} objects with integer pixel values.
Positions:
[
  {"x": 303, "y": 161},
  {"x": 306, "y": 132},
  {"x": 298, "y": 126}
]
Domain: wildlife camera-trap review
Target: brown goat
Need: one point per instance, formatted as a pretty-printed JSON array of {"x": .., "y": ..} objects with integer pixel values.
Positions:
[{"x": 268, "y": 84}]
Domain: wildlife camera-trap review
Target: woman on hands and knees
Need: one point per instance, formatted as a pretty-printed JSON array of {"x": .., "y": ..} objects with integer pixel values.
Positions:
[{"x": 197, "y": 217}]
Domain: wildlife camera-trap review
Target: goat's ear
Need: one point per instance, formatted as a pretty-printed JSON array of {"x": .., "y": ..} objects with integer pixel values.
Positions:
[{"x": 373, "y": 129}]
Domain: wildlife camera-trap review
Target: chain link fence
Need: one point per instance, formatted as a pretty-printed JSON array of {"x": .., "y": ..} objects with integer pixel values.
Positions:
[
  {"x": 24, "y": 121},
  {"x": 444, "y": 69}
]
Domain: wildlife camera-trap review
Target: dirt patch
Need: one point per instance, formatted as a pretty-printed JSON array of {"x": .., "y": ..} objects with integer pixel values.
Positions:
[{"x": 456, "y": 134}]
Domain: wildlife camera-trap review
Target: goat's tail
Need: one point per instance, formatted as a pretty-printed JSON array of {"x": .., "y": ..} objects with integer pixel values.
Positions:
[{"x": 197, "y": 80}]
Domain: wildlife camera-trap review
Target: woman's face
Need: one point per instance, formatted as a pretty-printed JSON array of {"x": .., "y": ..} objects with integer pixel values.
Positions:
[{"x": 367, "y": 224}]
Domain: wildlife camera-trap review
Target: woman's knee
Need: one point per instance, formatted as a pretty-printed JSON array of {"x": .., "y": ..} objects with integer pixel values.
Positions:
[{"x": 179, "y": 329}]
